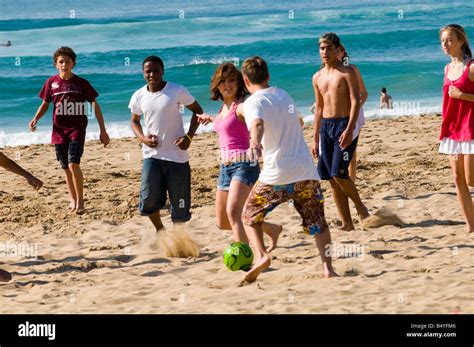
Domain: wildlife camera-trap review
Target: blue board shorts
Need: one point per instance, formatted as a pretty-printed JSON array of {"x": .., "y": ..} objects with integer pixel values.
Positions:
[
  {"x": 245, "y": 172},
  {"x": 160, "y": 177},
  {"x": 334, "y": 161}
]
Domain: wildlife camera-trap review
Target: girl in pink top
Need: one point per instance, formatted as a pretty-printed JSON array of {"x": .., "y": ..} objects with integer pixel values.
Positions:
[
  {"x": 457, "y": 129},
  {"x": 237, "y": 174}
]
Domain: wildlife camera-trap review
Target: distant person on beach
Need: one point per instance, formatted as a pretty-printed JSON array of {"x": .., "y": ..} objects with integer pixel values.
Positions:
[
  {"x": 288, "y": 170},
  {"x": 36, "y": 183},
  {"x": 166, "y": 167},
  {"x": 457, "y": 128},
  {"x": 7, "y": 44},
  {"x": 338, "y": 99},
  {"x": 70, "y": 95},
  {"x": 237, "y": 173},
  {"x": 344, "y": 58},
  {"x": 385, "y": 99}
]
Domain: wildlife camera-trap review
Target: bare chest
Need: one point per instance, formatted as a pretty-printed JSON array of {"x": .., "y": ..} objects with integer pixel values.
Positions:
[{"x": 332, "y": 84}]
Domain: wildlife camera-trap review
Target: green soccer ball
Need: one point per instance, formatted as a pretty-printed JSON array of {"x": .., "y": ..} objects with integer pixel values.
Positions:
[{"x": 238, "y": 256}]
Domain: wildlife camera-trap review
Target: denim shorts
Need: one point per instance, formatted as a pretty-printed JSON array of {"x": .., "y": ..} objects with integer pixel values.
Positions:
[
  {"x": 245, "y": 172},
  {"x": 162, "y": 177}
]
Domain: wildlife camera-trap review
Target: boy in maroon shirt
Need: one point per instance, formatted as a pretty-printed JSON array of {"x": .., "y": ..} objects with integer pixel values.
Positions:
[{"x": 70, "y": 94}]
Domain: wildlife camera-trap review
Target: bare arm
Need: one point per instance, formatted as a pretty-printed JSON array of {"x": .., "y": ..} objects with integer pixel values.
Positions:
[
  {"x": 149, "y": 140},
  {"x": 104, "y": 137},
  {"x": 354, "y": 94},
  {"x": 458, "y": 94},
  {"x": 39, "y": 113},
  {"x": 240, "y": 112},
  {"x": 256, "y": 134},
  {"x": 363, "y": 90},
  {"x": 195, "y": 108},
  {"x": 318, "y": 115},
  {"x": 11, "y": 166},
  {"x": 185, "y": 141}
]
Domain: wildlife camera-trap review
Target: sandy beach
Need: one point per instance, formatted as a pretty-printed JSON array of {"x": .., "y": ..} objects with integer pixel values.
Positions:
[{"x": 108, "y": 260}]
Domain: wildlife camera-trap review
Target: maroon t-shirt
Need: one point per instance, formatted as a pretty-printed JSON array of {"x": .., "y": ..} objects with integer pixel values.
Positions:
[{"x": 70, "y": 99}]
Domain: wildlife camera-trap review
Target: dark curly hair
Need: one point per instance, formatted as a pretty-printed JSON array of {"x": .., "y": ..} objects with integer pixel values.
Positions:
[{"x": 65, "y": 51}]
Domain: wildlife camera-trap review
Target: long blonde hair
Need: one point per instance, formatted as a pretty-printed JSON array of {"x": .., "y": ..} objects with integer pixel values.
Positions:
[{"x": 461, "y": 35}]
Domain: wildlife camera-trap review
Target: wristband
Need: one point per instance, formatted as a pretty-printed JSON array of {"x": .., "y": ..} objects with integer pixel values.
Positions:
[{"x": 189, "y": 137}]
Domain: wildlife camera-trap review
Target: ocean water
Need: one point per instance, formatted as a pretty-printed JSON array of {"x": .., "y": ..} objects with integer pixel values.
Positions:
[{"x": 395, "y": 44}]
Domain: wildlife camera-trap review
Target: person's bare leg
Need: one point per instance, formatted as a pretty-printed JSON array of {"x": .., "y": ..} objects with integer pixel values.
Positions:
[
  {"x": 238, "y": 193},
  {"x": 342, "y": 204},
  {"x": 273, "y": 231},
  {"x": 323, "y": 240},
  {"x": 236, "y": 197},
  {"x": 469, "y": 171},
  {"x": 71, "y": 190},
  {"x": 156, "y": 220},
  {"x": 262, "y": 260},
  {"x": 221, "y": 210},
  {"x": 349, "y": 188},
  {"x": 462, "y": 189},
  {"x": 353, "y": 166},
  {"x": 78, "y": 186}
]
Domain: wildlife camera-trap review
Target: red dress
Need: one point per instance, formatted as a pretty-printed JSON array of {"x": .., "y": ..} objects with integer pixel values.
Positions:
[{"x": 458, "y": 115}]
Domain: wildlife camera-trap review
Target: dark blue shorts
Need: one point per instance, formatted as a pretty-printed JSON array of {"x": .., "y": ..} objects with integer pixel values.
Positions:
[
  {"x": 245, "y": 172},
  {"x": 69, "y": 152},
  {"x": 334, "y": 161},
  {"x": 160, "y": 177}
]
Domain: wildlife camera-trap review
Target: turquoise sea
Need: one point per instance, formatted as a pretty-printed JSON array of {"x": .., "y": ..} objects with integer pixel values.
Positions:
[{"x": 395, "y": 44}]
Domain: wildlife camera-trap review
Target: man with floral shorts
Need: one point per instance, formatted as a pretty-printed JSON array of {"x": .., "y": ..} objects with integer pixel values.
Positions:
[{"x": 288, "y": 170}]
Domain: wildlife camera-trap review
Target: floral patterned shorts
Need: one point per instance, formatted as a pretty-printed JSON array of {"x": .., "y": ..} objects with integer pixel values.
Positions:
[{"x": 307, "y": 199}]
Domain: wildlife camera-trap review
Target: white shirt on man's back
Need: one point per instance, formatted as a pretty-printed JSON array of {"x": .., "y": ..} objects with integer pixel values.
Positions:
[
  {"x": 286, "y": 157},
  {"x": 161, "y": 111}
]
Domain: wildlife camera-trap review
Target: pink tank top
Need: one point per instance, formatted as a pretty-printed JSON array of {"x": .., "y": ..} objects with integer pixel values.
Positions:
[
  {"x": 233, "y": 135},
  {"x": 458, "y": 115}
]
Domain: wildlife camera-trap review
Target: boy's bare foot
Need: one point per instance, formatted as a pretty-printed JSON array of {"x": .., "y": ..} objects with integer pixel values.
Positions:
[
  {"x": 80, "y": 209},
  {"x": 329, "y": 272},
  {"x": 5, "y": 276},
  {"x": 261, "y": 265},
  {"x": 363, "y": 214},
  {"x": 72, "y": 205},
  {"x": 275, "y": 232},
  {"x": 347, "y": 227},
  {"x": 34, "y": 182}
]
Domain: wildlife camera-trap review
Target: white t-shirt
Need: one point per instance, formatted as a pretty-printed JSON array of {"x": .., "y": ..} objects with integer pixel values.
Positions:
[
  {"x": 286, "y": 157},
  {"x": 161, "y": 111},
  {"x": 359, "y": 124}
]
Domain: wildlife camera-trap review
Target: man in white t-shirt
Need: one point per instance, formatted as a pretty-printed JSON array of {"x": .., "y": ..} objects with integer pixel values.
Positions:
[
  {"x": 288, "y": 170},
  {"x": 165, "y": 159}
]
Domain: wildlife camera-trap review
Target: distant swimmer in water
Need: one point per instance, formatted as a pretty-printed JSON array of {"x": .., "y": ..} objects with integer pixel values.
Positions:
[{"x": 7, "y": 44}]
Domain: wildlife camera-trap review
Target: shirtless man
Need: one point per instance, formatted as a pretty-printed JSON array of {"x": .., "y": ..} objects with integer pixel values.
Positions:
[
  {"x": 337, "y": 96},
  {"x": 385, "y": 99}
]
